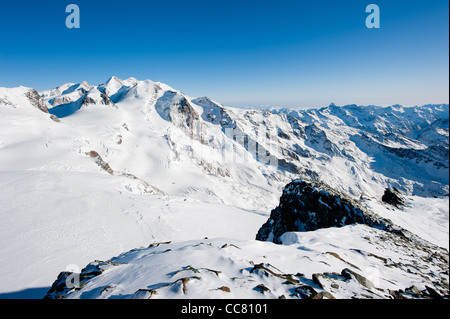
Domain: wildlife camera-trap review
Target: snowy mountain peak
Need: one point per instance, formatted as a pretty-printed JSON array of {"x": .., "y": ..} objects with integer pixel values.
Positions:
[
  {"x": 127, "y": 162},
  {"x": 130, "y": 80},
  {"x": 111, "y": 86},
  {"x": 113, "y": 79},
  {"x": 65, "y": 86},
  {"x": 348, "y": 134},
  {"x": 22, "y": 97}
]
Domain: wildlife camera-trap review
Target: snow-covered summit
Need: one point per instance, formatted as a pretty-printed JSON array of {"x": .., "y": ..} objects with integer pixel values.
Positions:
[
  {"x": 127, "y": 162},
  {"x": 355, "y": 149}
]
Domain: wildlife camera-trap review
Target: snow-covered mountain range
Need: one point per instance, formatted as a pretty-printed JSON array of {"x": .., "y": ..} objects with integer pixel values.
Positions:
[{"x": 88, "y": 172}]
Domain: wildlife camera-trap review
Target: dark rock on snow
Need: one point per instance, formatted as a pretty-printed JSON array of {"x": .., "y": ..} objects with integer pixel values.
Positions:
[
  {"x": 393, "y": 197},
  {"x": 307, "y": 206}
]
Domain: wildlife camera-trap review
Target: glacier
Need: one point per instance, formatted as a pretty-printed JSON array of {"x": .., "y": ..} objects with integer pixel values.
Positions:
[{"x": 89, "y": 172}]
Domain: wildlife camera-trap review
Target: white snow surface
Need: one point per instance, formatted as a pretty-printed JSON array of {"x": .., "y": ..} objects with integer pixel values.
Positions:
[{"x": 177, "y": 176}]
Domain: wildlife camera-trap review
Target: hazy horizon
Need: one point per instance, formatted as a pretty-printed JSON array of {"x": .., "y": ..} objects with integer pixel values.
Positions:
[{"x": 240, "y": 53}]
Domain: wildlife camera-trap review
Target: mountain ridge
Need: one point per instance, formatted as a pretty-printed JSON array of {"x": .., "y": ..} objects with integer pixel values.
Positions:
[{"x": 131, "y": 162}]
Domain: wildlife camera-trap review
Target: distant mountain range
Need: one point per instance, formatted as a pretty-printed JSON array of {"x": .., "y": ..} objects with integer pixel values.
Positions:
[{"x": 92, "y": 171}]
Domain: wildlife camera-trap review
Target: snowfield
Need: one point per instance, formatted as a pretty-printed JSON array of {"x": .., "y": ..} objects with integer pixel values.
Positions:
[
  {"x": 90, "y": 176},
  {"x": 321, "y": 263}
]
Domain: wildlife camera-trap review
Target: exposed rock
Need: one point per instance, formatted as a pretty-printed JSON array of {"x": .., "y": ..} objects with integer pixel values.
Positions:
[
  {"x": 341, "y": 259},
  {"x": 175, "y": 108},
  {"x": 317, "y": 138},
  {"x": 68, "y": 281},
  {"x": 267, "y": 272},
  {"x": 433, "y": 293},
  {"x": 231, "y": 245},
  {"x": 393, "y": 197},
  {"x": 5, "y": 101},
  {"x": 100, "y": 162},
  {"x": 308, "y": 206},
  {"x": 396, "y": 294},
  {"x": 104, "y": 100},
  {"x": 55, "y": 118},
  {"x": 225, "y": 289},
  {"x": 261, "y": 288},
  {"x": 317, "y": 280},
  {"x": 283, "y": 135},
  {"x": 413, "y": 290},
  {"x": 350, "y": 274},
  {"x": 159, "y": 243},
  {"x": 261, "y": 280},
  {"x": 323, "y": 295},
  {"x": 60, "y": 100},
  {"x": 188, "y": 112},
  {"x": 59, "y": 287},
  {"x": 36, "y": 100},
  {"x": 306, "y": 291},
  {"x": 144, "y": 294},
  {"x": 145, "y": 187},
  {"x": 184, "y": 281}
]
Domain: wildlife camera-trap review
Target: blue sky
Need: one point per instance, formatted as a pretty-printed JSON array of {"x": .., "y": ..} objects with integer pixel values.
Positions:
[{"x": 242, "y": 53}]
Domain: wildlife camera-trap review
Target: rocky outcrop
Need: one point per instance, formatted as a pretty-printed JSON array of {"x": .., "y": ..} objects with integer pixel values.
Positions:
[
  {"x": 68, "y": 281},
  {"x": 187, "y": 111},
  {"x": 176, "y": 270},
  {"x": 307, "y": 206},
  {"x": 318, "y": 139},
  {"x": 36, "y": 100},
  {"x": 214, "y": 113},
  {"x": 142, "y": 185},
  {"x": 103, "y": 100},
  {"x": 393, "y": 197},
  {"x": 175, "y": 108},
  {"x": 100, "y": 162},
  {"x": 54, "y": 118}
]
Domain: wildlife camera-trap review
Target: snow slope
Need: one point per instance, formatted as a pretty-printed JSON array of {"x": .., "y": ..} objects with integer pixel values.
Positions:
[
  {"x": 89, "y": 172},
  {"x": 62, "y": 218},
  {"x": 340, "y": 263}
]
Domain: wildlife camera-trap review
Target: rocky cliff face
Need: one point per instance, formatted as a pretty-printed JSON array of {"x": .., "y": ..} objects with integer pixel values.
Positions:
[
  {"x": 36, "y": 100},
  {"x": 393, "y": 197},
  {"x": 311, "y": 212},
  {"x": 308, "y": 206}
]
